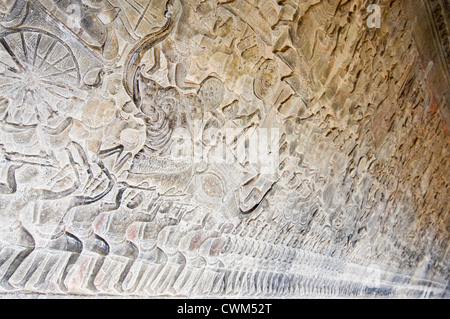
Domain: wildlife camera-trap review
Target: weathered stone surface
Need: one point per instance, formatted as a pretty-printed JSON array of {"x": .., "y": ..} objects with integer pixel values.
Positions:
[{"x": 224, "y": 148}]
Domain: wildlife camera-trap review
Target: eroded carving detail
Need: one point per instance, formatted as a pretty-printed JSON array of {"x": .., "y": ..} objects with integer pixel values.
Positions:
[{"x": 126, "y": 160}]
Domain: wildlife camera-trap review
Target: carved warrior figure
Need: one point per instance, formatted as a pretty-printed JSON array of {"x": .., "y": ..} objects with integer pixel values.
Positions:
[
  {"x": 160, "y": 108},
  {"x": 38, "y": 88},
  {"x": 158, "y": 117},
  {"x": 66, "y": 225},
  {"x": 99, "y": 190}
]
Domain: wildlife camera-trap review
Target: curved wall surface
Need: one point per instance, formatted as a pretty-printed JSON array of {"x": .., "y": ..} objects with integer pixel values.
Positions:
[{"x": 247, "y": 148}]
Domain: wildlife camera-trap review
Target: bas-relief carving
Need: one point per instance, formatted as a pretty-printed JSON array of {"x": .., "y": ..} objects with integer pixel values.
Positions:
[{"x": 103, "y": 105}]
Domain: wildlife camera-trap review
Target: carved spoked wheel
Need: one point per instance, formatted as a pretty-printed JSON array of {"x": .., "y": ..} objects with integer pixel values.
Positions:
[{"x": 39, "y": 74}]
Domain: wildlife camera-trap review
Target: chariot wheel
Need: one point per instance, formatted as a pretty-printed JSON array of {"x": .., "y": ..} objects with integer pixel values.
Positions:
[{"x": 39, "y": 75}]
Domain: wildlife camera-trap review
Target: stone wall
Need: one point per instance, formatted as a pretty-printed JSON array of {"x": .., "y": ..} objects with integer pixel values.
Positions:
[{"x": 249, "y": 148}]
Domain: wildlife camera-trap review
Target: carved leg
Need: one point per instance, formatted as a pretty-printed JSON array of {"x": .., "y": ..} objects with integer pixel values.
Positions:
[
  {"x": 28, "y": 244},
  {"x": 100, "y": 246},
  {"x": 129, "y": 250},
  {"x": 67, "y": 242},
  {"x": 10, "y": 187}
]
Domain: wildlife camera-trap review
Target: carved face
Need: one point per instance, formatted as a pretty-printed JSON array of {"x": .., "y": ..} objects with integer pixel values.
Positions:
[
  {"x": 160, "y": 102},
  {"x": 267, "y": 80}
]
